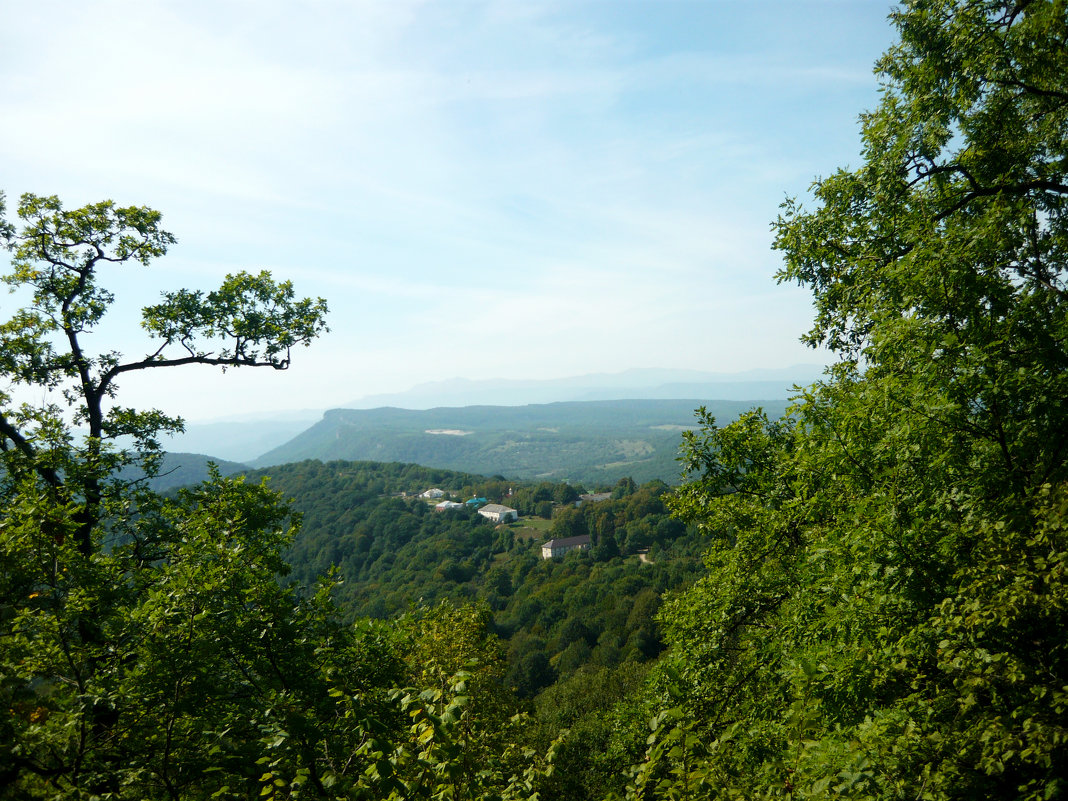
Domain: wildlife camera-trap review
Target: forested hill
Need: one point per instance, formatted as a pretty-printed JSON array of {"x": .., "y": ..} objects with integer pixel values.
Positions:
[
  {"x": 591, "y": 442},
  {"x": 183, "y": 469},
  {"x": 393, "y": 551}
]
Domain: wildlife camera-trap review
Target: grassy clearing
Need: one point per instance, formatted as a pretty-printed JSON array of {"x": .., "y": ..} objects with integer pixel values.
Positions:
[{"x": 529, "y": 528}]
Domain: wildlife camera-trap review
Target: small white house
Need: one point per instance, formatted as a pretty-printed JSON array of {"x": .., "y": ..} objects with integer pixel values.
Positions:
[
  {"x": 444, "y": 506},
  {"x": 498, "y": 513},
  {"x": 432, "y": 493},
  {"x": 560, "y": 547}
]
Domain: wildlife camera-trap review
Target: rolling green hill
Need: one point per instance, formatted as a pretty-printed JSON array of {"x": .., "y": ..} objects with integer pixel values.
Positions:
[{"x": 594, "y": 442}]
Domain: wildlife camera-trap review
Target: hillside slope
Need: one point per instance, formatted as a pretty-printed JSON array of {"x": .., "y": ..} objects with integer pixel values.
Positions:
[
  {"x": 392, "y": 553},
  {"x": 594, "y": 442},
  {"x": 183, "y": 469}
]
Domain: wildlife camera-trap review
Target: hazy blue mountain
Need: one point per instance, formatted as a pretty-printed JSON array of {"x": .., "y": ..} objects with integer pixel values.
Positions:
[
  {"x": 250, "y": 438},
  {"x": 240, "y": 440},
  {"x": 641, "y": 383},
  {"x": 590, "y": 442}
]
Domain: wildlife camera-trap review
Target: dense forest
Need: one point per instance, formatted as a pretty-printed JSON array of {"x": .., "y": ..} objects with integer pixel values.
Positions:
[
  {"x": 393, "y": 552},
  {"x": 879, "y": 611}
]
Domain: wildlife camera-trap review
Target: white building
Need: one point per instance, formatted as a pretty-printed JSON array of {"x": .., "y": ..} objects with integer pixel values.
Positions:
[
  {"x": 432, "y": 493},
  {"x": 446, "y": 505},
  {"x": 498, "y": 513},
  {"x": 560, "y": 547}
]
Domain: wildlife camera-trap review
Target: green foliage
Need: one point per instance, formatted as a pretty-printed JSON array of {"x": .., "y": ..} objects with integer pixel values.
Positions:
[
  {"x": 257, "y": 320},
  {"x": 439, "y": 762},
  {"x": 168, "y": 666},
  {"x": 587, "y": 715},
  {"x": 147, "y": 648},
  {"x": 392, "y": 551},
  {"x": 57, "y": 257},
  {"x": 58, "y": 254},
  {"x": 884, "y": 608}
]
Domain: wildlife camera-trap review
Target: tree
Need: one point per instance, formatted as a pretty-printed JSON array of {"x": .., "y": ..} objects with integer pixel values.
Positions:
[
  {"x": 146, "y": 649},
  {"x": 884, "y": 610},
  {"x": 57, "y": 256},
  {"x": 584, "y": 707},
  {"x": 568, "y": 522},
  {"x": 564, "y": 494},
  {"x": 181, "y": 674}
]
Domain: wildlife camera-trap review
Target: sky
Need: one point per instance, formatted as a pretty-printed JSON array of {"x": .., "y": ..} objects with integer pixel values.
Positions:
[{"x": 502, "y": 189}]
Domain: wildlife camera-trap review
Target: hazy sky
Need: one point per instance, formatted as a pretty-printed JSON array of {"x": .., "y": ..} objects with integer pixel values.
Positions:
[{"x": 499, "y": 189}]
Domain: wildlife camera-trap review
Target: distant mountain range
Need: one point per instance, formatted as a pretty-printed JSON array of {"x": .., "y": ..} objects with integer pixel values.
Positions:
[
  {"x": 590, "y": 442},
  {"x": 638, "y": 384},
  {"x": 250, "y": 438},
  {"x": 239, "y": 440},
  {"x": 183, "y": 470}
]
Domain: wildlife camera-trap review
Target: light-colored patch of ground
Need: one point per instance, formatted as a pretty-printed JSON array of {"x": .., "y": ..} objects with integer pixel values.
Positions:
[
  {"x": 672, "y": 427},
  {"x": 550, "y": 430},
  {"x": 450, "y": 432}
]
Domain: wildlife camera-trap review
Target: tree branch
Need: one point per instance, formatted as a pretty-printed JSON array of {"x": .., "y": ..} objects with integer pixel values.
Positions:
[
  {"x": 1010, "y": 189},
  {"x": 47, "y": 473},
  {"x": 223, "y": 361}
]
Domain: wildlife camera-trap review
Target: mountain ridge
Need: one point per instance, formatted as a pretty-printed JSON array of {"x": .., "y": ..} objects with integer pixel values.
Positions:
[
  {"x": 250, "y": 436},
  {"x": 634, "y": 384},
  {"x": 593, "y": 442}
]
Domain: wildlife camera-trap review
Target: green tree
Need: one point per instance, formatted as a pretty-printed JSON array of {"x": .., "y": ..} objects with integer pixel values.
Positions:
[
  {"x": 568, "y": 522},
  {"x": 583, "y": 706},
  {"x": 146, "y": 649},
  {"x": 884, "y": 609},
  {"x": 565, "y": 493},
  {"x": 56, "y": 257}
]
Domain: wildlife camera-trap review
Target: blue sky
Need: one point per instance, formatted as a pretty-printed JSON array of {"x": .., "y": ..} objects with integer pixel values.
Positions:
[{"x": 480, "y": 189}]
